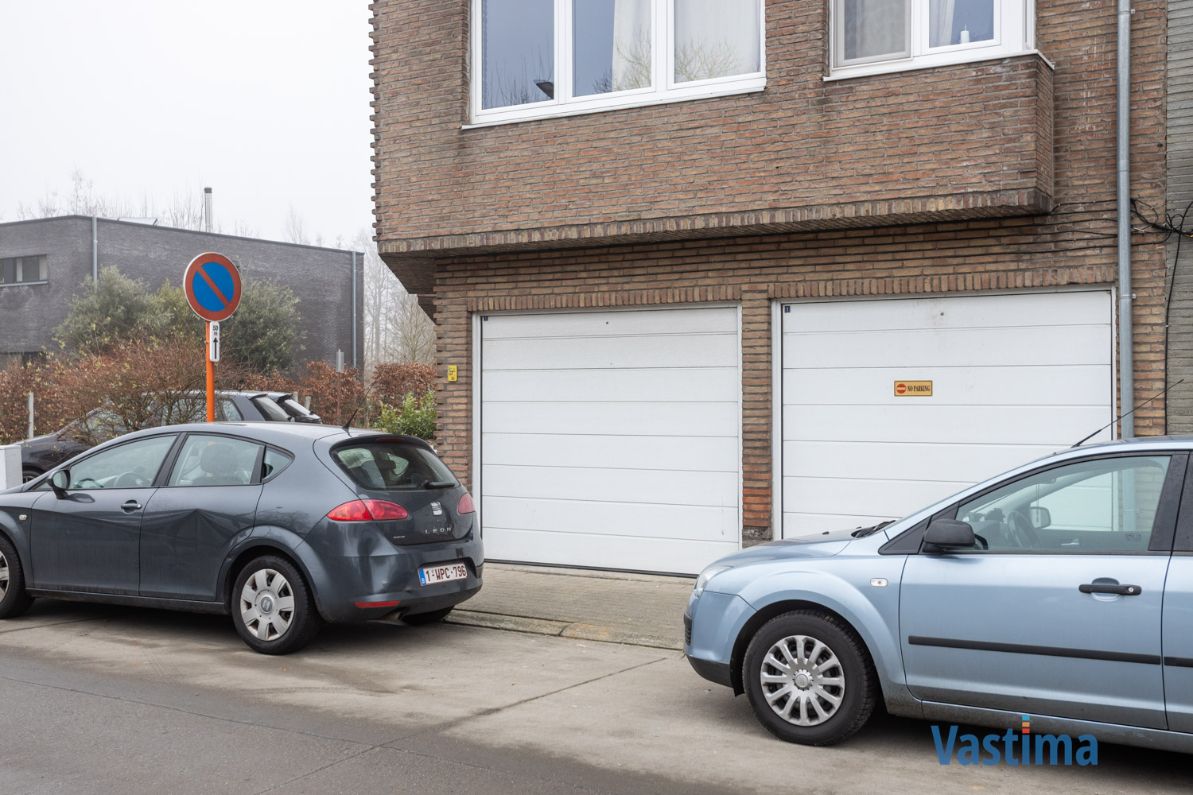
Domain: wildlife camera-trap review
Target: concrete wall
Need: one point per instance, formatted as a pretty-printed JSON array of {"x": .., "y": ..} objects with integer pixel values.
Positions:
[
  {"x": 321, "y": 277},
  {"x": 1180, "y": 194}
]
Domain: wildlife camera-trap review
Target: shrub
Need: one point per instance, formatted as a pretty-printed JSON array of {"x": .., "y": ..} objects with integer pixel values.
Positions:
[
  {"x": 392, "y": 382},
  {"x": 414, "y": 417},
  {"x": 334, "y": 396}
]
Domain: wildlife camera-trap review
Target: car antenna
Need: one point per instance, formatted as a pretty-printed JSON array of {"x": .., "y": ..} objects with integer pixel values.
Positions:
[
  {"x": 348, "y": 424},
  {"x": 1132, "y": 411}
]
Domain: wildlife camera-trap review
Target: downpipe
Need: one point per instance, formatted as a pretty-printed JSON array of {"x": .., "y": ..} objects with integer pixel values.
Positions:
[{"x": 1126, "y": 331}]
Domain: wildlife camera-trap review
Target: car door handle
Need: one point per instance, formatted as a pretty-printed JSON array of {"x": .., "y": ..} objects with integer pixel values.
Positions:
[
  {"x": 130, "y": 506},
  {"x": 1110, "y": 587}
]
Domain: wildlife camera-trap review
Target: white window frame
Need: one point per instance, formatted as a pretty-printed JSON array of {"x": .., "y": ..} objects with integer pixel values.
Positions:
[
  {"x": 1014, "y": 34},
  {"x": 663, "y": 88}
]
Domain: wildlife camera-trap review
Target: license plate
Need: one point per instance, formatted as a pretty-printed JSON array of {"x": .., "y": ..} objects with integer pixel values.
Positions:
[{"x": 432, "y": 575}]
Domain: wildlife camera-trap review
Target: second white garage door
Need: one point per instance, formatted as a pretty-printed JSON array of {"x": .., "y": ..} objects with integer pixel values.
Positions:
[
  {"x": 611, "y": 439},
  {"x": 1013, "y": 378}
]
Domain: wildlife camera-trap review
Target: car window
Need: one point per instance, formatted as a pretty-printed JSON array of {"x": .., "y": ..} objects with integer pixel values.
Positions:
[
  {"x": 273, "y": 463},
  {"x": 1102, "y": 506},
  {"x": 270, "y": 410},
  {"x": 129, "y": 466},
  {"x": 215, "y": 461},
  {"x": 227, "y": 411},
  {"x": 296, "y": 408},
  {"x": 392, "y": 465}
]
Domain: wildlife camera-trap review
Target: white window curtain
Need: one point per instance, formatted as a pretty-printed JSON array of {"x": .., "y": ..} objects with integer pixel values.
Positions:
[
  {"x": 873, "y": 28},
  {"x": 631, "y": 44},
  {"x": 716, "y": 38},
  {"x": 940, "y": 16}
]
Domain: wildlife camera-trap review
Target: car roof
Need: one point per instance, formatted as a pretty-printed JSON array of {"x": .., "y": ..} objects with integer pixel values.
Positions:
[{"x": 275, "y": 432}]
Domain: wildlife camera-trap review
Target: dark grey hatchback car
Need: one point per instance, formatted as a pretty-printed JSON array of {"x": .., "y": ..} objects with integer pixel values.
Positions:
[{"x": 284, "y": 526}]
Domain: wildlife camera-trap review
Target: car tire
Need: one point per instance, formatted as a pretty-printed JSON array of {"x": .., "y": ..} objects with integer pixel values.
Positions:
[
  {"x": 809, "y": 678},
  {"x": 29, "y": 474},
  {"x": 272, "y": 607},
  {"x": 14, "y": 600},
  {"x": 433, "y": 617}
]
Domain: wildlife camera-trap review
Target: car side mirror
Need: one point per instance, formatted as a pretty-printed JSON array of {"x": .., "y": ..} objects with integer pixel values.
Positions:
[
  {"x": 946, "y": 534},
  {"x": 60, "y": 482},
  {"x": 1040, "y": 517}
]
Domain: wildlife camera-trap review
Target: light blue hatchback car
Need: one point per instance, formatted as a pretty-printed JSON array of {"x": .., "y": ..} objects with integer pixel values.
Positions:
[{"x": 1062, "y": 590}]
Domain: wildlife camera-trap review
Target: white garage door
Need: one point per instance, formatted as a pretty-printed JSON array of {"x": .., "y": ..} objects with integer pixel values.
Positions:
[
  {"x": 1012, "y": 378},
  {"x": 611, "y": 439}
]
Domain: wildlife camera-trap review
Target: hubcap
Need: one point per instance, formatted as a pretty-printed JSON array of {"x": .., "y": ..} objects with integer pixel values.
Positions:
[
  {"x": 267, "y": 604},
  {"x": 803, "y": 680},
  {"x": 3, "y": 576}
]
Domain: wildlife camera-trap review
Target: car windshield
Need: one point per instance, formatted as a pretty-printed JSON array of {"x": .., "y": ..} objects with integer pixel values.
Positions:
[
  {"x": 393, "y": 466},
  {"x": 272, "y": 411},
  {"x": 296, "y": 408}
]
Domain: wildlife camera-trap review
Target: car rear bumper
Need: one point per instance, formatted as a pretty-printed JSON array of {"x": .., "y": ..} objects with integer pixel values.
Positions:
[{"x": 359, "y": 588}]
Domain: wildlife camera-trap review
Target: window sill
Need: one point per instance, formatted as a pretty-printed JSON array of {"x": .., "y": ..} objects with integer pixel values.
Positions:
[
  {"x": 24, "y": 284},
  {"x": 737, "y": 87},
  {"x": 910, "y": 65}
]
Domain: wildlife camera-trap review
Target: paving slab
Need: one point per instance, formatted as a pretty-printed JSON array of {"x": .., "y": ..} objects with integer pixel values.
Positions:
[{"x": 613, "y": 607}]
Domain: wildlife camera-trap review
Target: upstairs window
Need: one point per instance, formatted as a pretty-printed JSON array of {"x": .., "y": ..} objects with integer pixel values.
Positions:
[
  {"x": 871, "y": 36},
  {"x": 540, "y": 58},
  {"x": 23, "y": 270}
]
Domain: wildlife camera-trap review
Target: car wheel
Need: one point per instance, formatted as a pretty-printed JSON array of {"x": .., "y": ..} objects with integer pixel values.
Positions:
[
  {"x": 272, "y": 607},
  {"x": 433, "y": 617},
  {"x": 809, "y": 678},
  {"x": 29, "y": 474},
  {"x": 13, "y": 599}
]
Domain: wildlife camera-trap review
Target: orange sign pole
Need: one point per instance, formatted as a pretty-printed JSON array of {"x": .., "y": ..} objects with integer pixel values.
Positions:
[{"x": 210, "y": 373}]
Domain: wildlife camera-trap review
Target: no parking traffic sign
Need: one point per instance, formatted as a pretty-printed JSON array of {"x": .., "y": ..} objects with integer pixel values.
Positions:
[{"x": 212, "y": 285}]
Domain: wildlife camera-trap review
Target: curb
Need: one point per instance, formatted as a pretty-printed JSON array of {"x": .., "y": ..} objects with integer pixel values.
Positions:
[{"x": 602, "y": 633}]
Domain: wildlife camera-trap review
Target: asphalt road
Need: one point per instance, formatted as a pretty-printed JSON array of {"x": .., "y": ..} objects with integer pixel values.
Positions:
[{"x": 102, "y": 699}]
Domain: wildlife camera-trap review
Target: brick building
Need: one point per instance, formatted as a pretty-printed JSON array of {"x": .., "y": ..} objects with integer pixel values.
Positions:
[
  {"x": 45, "y": 262},
  {"x": 720, "y": 272}
]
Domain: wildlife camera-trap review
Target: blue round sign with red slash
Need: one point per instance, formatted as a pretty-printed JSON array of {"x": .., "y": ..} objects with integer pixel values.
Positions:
[{"x": 212, "y": 286}]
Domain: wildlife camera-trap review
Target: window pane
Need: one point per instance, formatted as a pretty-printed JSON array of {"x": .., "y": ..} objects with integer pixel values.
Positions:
[
  {"x": 273, "y": 463},
  {"x": 129, "y": 466},
  {"x": 872, "y": 28},
  {"x": 518, "y": 52},
  {"x": 1092, "y": 507},
  {"x": 611, "y": 45},
  {"x": 716, "y": 38},
  {"x": 392, "y": 465},
  {"x": 960, "y": 21},
  {"x": 227, "y": 411},
  {"x": 215, "y": 461}
]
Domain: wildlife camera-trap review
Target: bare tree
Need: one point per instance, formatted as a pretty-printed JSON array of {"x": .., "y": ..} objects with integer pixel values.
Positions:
[
  {"x": 396, "y": 327},
  {"x": 296, "y": 227}
]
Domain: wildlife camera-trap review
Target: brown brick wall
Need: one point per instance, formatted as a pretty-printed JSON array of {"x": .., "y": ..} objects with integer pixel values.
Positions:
[
  {"x": 1072, "y": 245},
  {"x": 954, "y": 142}
]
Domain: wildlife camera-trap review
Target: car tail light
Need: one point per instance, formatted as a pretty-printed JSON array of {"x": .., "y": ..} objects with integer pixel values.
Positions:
[
  {"x": 466, "y": 505},
  {"x": 367, "y": 511}
]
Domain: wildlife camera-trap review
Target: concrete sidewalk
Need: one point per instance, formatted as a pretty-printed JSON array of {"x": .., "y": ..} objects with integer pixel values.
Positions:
[{"x": 636, "y": 609}]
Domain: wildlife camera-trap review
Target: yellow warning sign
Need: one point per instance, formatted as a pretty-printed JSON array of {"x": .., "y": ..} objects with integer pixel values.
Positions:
[
  {"x": 453, "y": 372},
  {"x": 913, "y": 389}
]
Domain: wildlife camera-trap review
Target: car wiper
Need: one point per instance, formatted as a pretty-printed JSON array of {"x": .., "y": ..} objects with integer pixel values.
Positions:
[
  {"x": 862, "y": 532},
  {"x": 439, "y": 484}
]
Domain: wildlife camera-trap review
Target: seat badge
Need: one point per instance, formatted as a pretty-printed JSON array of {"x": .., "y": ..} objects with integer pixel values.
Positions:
[{"x": 437, "y": 509}]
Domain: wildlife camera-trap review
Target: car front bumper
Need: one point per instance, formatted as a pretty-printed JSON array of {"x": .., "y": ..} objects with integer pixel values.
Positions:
[{"x": 712, "y": 623}]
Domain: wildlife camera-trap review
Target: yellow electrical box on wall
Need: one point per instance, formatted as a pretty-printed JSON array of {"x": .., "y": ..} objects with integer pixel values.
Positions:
[{"x": 453, "y": 373}]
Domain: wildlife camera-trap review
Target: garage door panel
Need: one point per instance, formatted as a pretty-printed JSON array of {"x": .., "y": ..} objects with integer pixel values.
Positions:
[
  {"x": 616, "y": 323},
  {"x": 641, "y": 452},
  {"x": 663, "y": 350},
  {"x": 637, "y": 486},
  {"x": 803, "y": 524},
  {"x": 602, "y": 551},
  {"x": 612, "y": 439},
  {"x": 1052, "y": 426},
  {"x": 1065, "y": 345},
  {"x": 614, "y": 419},
  {"x": 879, "y": 459},
  {"x": 696, "y": 385},
  {"x": 1015, "y": 377},
  {"x": 681, "y": 522},
  {"x": 994, "y": 386},
  {"x": 868, "y": 497},
  {"x": 978, "y": 311}
]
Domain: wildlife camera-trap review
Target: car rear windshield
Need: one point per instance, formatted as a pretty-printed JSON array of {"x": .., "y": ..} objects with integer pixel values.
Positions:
[{"x": 386, "y": 466}]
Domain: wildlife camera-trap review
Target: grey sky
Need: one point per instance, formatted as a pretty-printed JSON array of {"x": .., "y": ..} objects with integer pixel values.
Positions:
[{"x": 264, "y": 100}]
